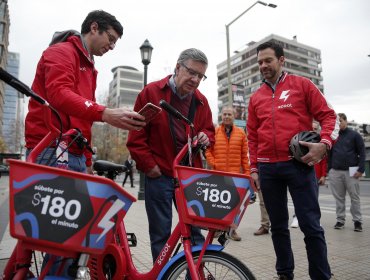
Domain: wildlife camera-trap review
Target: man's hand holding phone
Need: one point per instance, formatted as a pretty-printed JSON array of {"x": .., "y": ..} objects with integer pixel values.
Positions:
[{"x": 150, "y": 111}]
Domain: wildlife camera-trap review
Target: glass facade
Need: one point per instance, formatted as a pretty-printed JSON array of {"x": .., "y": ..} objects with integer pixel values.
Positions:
[
  {"x": 13, "y": 110},
  {"x": 4, "y": 34}
]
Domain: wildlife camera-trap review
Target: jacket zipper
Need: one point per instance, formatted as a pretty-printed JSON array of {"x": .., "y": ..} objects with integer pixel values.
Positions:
[
  {"x": 273, "y": 121},
  {"x": 273, "y": 117}
]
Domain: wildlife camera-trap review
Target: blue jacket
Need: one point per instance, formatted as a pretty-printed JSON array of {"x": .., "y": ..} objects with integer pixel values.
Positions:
[{"x": 349, "y": 150}]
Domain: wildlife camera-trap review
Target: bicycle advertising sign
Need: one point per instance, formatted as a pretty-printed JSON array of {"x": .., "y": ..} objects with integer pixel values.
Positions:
[
  {"x": 213, "y": 198},
  {"x": 64, "y": 209}
]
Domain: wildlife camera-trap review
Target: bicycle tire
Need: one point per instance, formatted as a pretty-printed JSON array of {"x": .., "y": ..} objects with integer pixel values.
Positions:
[{"x": 216, "y": 265}]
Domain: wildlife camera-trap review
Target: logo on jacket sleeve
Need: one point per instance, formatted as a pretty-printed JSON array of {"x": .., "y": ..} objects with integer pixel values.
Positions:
[{"x": 284, "y": 95}]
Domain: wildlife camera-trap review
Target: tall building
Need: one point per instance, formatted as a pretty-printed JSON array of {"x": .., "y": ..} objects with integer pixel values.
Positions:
[
  {"x": 13, "y": 109},
  {"x": 4, "y": 42},
  {"x": 123, "y": 89},
  {"x": 126, "y": 84},
  {"x": 300, "y": 59}
]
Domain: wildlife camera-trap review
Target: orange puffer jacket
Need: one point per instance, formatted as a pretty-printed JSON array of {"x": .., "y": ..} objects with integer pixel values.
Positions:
[{"x": 230, "y": 155}]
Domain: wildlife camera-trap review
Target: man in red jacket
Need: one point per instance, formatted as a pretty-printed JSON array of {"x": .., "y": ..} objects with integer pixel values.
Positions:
[
  {"x": 66, "y": 78},
  {"x": 283, "y": 106},
  {"x": 154, "y": 148},
  {"x": 230, "y": 151}
]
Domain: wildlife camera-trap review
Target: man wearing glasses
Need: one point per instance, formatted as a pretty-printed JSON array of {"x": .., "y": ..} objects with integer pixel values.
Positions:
[
  {"x": 66, "y": 78},
  {"x": 155, "y": 147}
]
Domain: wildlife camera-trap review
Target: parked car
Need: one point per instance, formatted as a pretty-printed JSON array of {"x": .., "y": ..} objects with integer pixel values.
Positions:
[{"x": 4, "y": 169}]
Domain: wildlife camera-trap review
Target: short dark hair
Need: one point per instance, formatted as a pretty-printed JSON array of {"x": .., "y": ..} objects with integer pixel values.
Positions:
[
  {"x": 342, "y": 116},
  {"x": 104, "y": 21},
  {"x": 279, "y": 51}
]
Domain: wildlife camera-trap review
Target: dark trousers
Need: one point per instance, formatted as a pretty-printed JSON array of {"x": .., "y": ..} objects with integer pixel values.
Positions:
[
  {"x": 129, "y": 173},
  {"x": 159, "y": 195},
  {"x": 276, "y": 179}
]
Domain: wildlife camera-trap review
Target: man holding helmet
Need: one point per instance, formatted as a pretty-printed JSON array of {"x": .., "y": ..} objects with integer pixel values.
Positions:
[{"x": 283, "y": 106}]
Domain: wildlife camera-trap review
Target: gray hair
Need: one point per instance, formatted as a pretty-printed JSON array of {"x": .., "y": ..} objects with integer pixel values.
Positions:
[{"x": 193, "y": 54}]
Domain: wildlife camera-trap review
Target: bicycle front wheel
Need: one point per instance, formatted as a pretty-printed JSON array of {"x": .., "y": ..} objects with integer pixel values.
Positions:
[{"x": 215, "y": 265}]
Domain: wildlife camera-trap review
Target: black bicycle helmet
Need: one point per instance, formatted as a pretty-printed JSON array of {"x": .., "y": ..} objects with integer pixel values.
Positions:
[{"x": 298, "y": 150}]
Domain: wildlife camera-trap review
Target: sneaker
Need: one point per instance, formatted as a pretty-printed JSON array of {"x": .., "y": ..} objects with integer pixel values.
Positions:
[
  {"x": 358, "y": 226},
  {"x": 294, "y": 223},
  {"x": 339, "y": 225},
  {"x": 234, "y": 236},
  {"x": 261, "y": 231}
]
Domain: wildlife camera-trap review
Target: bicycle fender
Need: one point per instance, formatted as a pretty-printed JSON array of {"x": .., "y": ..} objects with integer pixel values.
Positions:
[{"x": 197, "y": 248}]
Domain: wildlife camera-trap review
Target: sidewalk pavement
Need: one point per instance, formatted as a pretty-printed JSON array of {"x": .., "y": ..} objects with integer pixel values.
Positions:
[{"x": 348, "y": 251}]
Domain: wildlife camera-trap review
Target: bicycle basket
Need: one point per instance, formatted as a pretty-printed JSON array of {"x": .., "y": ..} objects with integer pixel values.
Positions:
[
  {"x": 64, "y": 210},
  {"x": 213, "y": 199}
]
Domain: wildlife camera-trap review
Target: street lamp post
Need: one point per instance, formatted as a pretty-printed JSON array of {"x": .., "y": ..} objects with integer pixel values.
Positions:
[
  {"x": 146, "y": 55},
  {"x": 229, "y": 92}
]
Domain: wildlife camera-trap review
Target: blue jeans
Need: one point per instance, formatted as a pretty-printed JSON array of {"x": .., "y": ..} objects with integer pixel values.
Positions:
[
  {"x": 75, "y": 163},
  {"x": 276, "y": 179},
  {"x": 159, "y": 194}
]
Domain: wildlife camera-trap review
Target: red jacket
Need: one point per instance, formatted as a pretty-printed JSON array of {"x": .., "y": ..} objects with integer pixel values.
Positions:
[
  {"x": 230, "y": 155},
  {"x": 66, "y": 78},
  {"x": 274, "y": 117},
  {"x": 154, "y": 145},
  {"x": 321, "y": 168}
]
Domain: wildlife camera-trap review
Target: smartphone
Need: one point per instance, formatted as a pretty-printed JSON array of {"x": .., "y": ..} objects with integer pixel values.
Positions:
[{"x": 150, "y": 111}]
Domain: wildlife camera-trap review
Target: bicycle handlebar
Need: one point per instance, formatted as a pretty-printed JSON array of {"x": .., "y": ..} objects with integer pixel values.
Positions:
[{"x": 21, "y": 87}]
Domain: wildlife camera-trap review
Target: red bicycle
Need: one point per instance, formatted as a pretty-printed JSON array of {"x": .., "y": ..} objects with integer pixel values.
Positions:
[{"x": 80, "y": 216}]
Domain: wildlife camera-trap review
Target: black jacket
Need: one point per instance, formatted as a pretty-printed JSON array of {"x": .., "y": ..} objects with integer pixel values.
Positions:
[{"x": 349, "y": 150}]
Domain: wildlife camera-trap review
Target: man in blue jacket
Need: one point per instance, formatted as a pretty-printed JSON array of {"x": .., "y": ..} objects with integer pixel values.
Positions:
[{"x": 346, "y": 165}]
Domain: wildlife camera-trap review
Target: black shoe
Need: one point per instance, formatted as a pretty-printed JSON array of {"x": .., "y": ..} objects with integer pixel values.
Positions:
[
  {"x": 339, "y": 225},
  {"x": 358, "y": 226},
  {"x": 281, "y": 277}
]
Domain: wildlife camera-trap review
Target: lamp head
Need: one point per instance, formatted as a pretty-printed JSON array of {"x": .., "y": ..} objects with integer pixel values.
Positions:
[{"x": 146, "y": 52}]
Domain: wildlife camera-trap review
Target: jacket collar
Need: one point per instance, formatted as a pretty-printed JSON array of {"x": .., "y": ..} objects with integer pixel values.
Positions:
[{"x": 281, "y": 78}]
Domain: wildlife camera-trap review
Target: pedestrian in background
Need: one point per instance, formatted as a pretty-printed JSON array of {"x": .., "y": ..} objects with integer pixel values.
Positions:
[
  {"x": 346, "y": 165},
  {"x": 283, "y": 106},
  {"x": 265, "y": 220},
  {"x": 230, "y": 151},
  {"x": 155, "y": 147},
  {"x": 129, "y": 163}
]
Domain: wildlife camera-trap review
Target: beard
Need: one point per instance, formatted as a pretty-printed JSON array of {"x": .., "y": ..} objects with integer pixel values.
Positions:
[{"x": 269, "y": 74}]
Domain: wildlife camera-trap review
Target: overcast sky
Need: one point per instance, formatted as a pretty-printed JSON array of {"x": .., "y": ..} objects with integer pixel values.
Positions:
[{"x": 339, "y": 28}]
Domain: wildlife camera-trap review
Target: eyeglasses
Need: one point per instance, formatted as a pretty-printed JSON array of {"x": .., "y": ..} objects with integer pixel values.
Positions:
[
  {"x": 111, "y": 38},
  {"x": 193, "y": 73}
]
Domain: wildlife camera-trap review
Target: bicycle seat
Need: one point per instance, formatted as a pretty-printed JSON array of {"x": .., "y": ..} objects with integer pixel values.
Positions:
[{"x": 107, "y": 166}]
